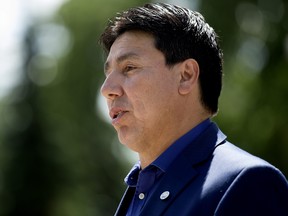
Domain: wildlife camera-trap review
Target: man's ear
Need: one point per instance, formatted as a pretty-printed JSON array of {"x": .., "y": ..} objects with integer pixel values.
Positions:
[{"x": 189, "y": 76}]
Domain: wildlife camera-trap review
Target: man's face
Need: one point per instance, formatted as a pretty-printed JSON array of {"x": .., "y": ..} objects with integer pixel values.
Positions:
[{"x": 141, "y": 91}]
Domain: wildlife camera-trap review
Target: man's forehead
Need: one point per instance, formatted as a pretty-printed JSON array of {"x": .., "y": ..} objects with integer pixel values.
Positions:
[
  {"x": 132, "y": 40},
  {"x": 124, "y": 49},
  {"x": 130, "y": 45}
]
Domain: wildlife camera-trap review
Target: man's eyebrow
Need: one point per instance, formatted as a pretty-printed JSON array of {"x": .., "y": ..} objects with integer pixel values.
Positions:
[{"x": 121, "y": 58}]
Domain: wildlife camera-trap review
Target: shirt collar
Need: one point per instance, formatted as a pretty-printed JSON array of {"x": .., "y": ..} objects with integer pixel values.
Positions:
[{"x": 132, "y": 177}]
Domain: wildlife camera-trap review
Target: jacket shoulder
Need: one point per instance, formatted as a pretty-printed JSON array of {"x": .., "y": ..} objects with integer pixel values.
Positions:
[
  {"x": 236, "y": 157},
  {"x": 255, "y": 187}
]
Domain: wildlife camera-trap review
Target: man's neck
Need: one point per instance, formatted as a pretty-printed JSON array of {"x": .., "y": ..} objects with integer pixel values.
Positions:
[{"x": 149, "y": 155}]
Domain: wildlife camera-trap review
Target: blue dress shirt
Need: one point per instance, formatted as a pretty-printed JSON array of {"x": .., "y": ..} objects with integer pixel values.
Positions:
[{"x": 145, "y": 180}]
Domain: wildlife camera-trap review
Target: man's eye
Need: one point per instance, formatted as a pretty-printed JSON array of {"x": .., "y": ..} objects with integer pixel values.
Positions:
[{"x": 129, "y": 68}]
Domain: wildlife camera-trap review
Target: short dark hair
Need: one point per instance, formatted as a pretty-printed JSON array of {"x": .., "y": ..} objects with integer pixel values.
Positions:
[{"x": 179, "y": 34}]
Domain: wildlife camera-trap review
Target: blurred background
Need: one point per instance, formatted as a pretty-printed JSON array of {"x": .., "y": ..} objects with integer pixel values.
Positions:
[{"x": 58, "y": 154}]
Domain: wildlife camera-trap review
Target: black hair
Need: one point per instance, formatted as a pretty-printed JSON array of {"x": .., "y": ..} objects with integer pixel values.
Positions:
[{"x": 179, "y": 34}]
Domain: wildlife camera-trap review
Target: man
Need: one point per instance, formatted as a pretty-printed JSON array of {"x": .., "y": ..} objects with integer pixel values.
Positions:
[{"x": 163, "y": 80}]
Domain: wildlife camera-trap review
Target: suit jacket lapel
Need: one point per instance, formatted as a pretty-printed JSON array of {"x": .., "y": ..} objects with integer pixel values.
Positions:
[
  {"x": 182, "y": 171},
  {"x": 125, "y": 202}
]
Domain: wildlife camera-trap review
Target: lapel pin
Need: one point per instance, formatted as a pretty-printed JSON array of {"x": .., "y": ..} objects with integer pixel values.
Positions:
[
  {"x": 164, "y": 195},
  {"x": 141, "y": 196}
]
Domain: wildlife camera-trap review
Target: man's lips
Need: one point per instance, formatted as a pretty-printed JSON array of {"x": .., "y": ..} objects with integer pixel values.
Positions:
[{"x": 116, "y": 114}]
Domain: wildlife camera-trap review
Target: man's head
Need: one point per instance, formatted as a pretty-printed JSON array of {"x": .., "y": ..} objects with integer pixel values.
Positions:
[
  {"x": 163, "y": 75},
  {"x": 179, "y": 34}
]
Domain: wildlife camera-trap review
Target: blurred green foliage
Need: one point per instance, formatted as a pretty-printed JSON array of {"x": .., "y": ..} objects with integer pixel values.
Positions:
[
  {"x": 58, "y": 156},
  {"x": 253, "y": 105}
]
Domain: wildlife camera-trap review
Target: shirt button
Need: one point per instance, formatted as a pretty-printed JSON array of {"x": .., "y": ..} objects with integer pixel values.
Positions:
[{"x": 141, "y": 196}]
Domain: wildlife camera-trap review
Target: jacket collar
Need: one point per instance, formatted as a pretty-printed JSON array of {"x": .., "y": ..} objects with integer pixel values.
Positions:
[{"x": 183, "y": 169}]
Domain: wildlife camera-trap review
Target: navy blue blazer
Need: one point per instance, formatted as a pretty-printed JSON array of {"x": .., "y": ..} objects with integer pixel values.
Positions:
[{"x": 214, "y": 177}]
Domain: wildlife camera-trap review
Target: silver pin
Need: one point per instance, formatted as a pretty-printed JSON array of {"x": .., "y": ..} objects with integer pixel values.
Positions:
[
  {"x": 164, "y": 195},
  {"x": 141, "y": 196}
]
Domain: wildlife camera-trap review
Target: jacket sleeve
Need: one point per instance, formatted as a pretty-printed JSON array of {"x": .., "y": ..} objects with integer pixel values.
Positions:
[{"x": 256, "y": 191}]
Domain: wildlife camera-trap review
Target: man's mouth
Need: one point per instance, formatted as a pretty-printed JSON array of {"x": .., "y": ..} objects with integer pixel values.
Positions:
[{"x": 116, "y": 114}]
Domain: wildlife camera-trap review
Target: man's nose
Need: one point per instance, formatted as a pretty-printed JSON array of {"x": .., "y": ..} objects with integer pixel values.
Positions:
[{"x": 111, "y": 88}]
